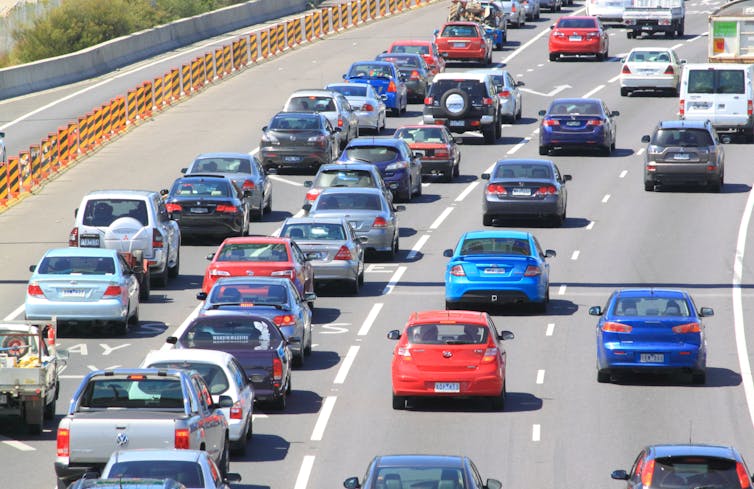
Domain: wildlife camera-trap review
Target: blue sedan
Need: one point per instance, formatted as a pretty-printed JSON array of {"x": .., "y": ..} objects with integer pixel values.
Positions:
[
  {"x": 274, "y": 298},
  {"x": 83, "y": 285},
  {"x": 651, "y": 330},
  {"x": 577, "y": 123},
  {"x": 386, "y": 80},
  {"x": 498, "y": 267}
]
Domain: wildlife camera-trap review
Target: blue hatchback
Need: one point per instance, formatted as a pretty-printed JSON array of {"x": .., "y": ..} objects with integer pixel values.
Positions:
[
  {"x": 651, "y": 330},
  {"x": 497, "y": 267},
  {"x": 386, "y": 80},
  {"x": 577, "y": 123}
]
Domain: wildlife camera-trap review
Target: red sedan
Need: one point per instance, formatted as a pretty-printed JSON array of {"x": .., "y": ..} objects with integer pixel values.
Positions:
[
  {"x": 427, "y": 49},
  {"x": 436, "y": 146},
  {"x": 464, "y": 41},
  {"x": 449, "y": 354},
  {"x": 575, "y": 35},
  {"x": 260, "y": 256}
]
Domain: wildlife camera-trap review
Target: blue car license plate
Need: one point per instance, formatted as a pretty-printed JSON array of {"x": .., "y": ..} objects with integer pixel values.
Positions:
[{"x": 447, "y": 387}]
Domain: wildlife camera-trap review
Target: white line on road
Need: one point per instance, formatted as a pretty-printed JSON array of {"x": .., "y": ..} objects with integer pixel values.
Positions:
[
  {"x": 614, "y": 79},
  {"x": 467, "y": 191},
  {"x": 640, "y": 151},
  {"x": 178, "y": 332},
  {"x": 285, "y": 180},
  {"x": 593, "y": 91},
  {"x": 371, "y": 317},
  {"x": 17, "y": 444},
  {"x": 536, "y": 432},
  {"x": 394, "y": 280},
  {"x": 605, "y": 198},
  {"x": 444, "y": 214},
  {"x": 346, "y": 365},
  {"x": 418, "y": 245},
  {"x": 540, "y": 376},
  {"x": 70, "y": 376},
  {"x": 697, "y": 37},
  {"x": 324, "y": 415},
  {"x": 518, "y": 146},
  {"x": 575, "y": 255},
  {"x": 304, "y": 472},
  {"x": 545, "y": 31},
  {"x": 16, "y": 312},
  {"x": 550, "y": 329},
  {"x": 562, "y": 289},
  {"x": 623, "y": 174},
  {"x": 677, "y": 46},
  {"x": 590, "y": 226}
]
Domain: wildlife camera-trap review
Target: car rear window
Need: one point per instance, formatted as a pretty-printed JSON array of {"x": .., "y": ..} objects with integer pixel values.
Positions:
[
  {"x": 356, "y": 90},
  {"x": 681, "y": 472},
  {"x": 577, "y": 23},
  {"x": 199, "y": 187},
  {"x": 649, "y": 57},
  {"x": 250, "y": 294},
  {"x": 344, "y": 178},
  {"x": 134, "y": 391},
  {"x": 421, "y": 135},
  {"x": 311, "y": 104},
  {"x": 77, "y": 265},
  {"x": 221, "y": 165},
  {"x": 186, "y": 472},
  {"x": 314, "y": 231},
  {"x": 418, "y": 477},
  {"x": 575, "y": 107},
  {"x": 410, "y": 49},
  {"x": 651, "y": 306},
  {"x": 448, "y": 334},
  {"x": 294, "y": 123},
  {"x": 213, "y": 375},
  {"x": 373, "y": 154},
  {"x": 361, "y": 202},
  {"x": 523, "y": 171},
  {"x": 682, "y": 137},
  {"x": 474, "y": 88},
  {"x": 253, "y": 252},
  {"x": 102, "y": 212},
  {"x": 718, "y": 81},
  {"x": 459, "y": 31},
  {"x": 495, "y": 246},
  {"x": 216, "y": 332},
  {"x": 370, "y": 70},
  {"x": 401, "y": 61}
]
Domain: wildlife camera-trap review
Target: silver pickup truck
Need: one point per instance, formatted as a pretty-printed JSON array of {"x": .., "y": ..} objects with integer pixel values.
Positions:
[
  {"x": 138, "y": 408},
  {"x": 651, "y": 16}
]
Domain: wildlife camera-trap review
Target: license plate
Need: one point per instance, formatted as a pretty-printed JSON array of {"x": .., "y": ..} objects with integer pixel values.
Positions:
[
  {"x": 521, "y": 191},
  {"x": 699, "y": 105},
  {"x": 447, "y": 387},
  {"x": 494, "y": 270},
  {"x": 72, "y": 293},
  {"x": 573, "y": 123},
  {"x": 652, "y": 358},
  {"x": 292, "y": 159},
  {"x": 89, "y": 241},
  {"x": 199, "y": 210},
  {"x": 457, "y": 123},
  {"x": 459, "y": 44},
  {"x": 681, "y": 156},
  {"x": 574, "y": 38}
]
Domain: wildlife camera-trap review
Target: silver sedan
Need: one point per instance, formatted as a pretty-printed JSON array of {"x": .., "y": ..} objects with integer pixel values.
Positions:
[
  {"x": 367, "y": 210},
  {"x": 366, "y": 103},
  {"x": 332, "y": 105},
  {"x": 332, "y": 246}
]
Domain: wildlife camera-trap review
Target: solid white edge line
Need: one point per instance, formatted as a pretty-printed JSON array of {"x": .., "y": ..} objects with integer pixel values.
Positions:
[
  {"x": 467, "y": 191},
  {"x": 16, "y": 312},
  {"x": 738, "y": 313},
  {"x": 371, "y": 317},
  {"x": 417, "y": 246},
  {"x": 346, "y": 365},
  {"x": 550, "y": 329},
  {"x": 304, "y": 472},
  {"x": 324, "y": 416},
  {"x": 540, "y": 376},
  {"x": 178, "y": 332},
  {"x": 614, "y": 79},
  {"x": 394, "y": 280},
  {"x": 444, "y": 214},
  {"x": 536, "y": 432},
  {"x": 518, "y": 146}
]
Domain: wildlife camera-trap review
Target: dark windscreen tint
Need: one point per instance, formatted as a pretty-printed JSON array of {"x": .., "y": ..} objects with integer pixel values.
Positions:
[
  {"x": 249, "y": 294},
  {"x": 253, "y": 252},
  {"x": 649, "y": 57},
  {"x": 495, "y": 246},
  {"x": 221, "y": 165},
  {"x": 474, "y": 88},
  {"x": 238, "y": 332},
  {"x": 459, "y": 31},
  {"x": 719, "y": 81},
  {"x": 575, "y": 107},
  {"x": 730, "y": 81},
  {"x": 350, "y": 90},
  {"x": 701, "y": 81},
  {"x": 410, "y": 49},
  {"x": 294, "y": 123},
  {"x": 523, "y": 171},
  {"x": 362, "y": 202},
  {"x": 102, "y": 212},
  {"x": 370, "y": 70},
  {"x": 373, "y": 154},
  {"x": 402, "y": 61},
  {"x": 187, "y": 473},
  {"x": 311, "y": 103},
  {"x": 651, "y": 306},
  {"x": 84, "y": 265},
  {"x": 682, "y": 137},
  {"x": 427, "y": 134},
  {"x": 133, "y": 392},
  {"x": 577, "y": 23},
  {"x": 691, "y": 472},
  {"x": 344, "y": 178},
  {"x": 314, "y": 231},
  {"x": 213, "y": 375},
  {"x": 199, "y": 187},
  {"x": 418, "y": 477},
  {"x": 448, "y": 334}
]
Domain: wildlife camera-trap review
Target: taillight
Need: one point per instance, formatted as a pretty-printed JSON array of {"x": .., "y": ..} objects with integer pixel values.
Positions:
[
  {"x": 428, "y": 100},
  {"x": 625, "y": 70},
  {"x": 749, "y": 107},
  {"x": 313, "y": 194},
  {"x": 490, "y": 355},
  {"x": 594, "y": 122},
  {"x": 669, "y": 70},
  {"x": 487, "y": 101},
  {"x": 112, "y": 290},
  {"x": 547, "y": 189},
  {"x": 157, "y": 240},
  {"x": 457, "y": 271},
  {"x": 64, "y": 442},
  {"x": 367, "y": 107},
  {"x": 173, "y": 207},
  {"x": 236, "y": 412},
  {"x": 513, "y": 7},
  {"x": 743, "y": 477},
  {"x": 277, "y": 369},
  {"x": 558, "y": 34},
  {"x": 226, "y": 208},
  {"x": 687, "y": 328},
  {"x": 550, "y": 122},
  {"x": 182, "y": 438},
  {"x": 248, "y": 185},
  {"x": 496, "y": 188},
  {"x": 646, "y": 473},
  {"x": 219, "y": 273},
  {"x": 532, "y": 271},
  {"x": 682, "y": 107},
  {"x": 284, "y": 320},
  {"x": 379, "y": 222},
  {"x": 73, "y": 237},
  {"x": 505, "y": 93},
  {"x": 34, "y": 290},
  {"x": 441, "y": 153},
  {"x": 283, "y": 273},
  {"x": 340, "y": 121},
  {"x": 414, "y": 75},
  {"x": 404, "y": 353},
  {"x": 320, "y": 140},
  {"x": 391, "y": 87},
  {"x": 343, "y": 254},
  {"x": 611, "y": 327}
]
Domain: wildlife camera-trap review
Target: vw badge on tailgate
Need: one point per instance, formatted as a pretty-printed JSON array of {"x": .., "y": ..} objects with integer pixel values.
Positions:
[{"x": 121, "y": 439}]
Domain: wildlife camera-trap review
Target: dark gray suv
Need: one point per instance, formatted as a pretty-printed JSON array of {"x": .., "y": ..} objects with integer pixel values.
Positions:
[
  {"x": 464, "y": 102},
  {"x": 683, "y": 153}
]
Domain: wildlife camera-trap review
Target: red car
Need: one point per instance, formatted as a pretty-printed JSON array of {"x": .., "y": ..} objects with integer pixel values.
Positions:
[
  {"x": 464, "y": 41},
  {"x": 449, "y": 354},
  {"x": 437, "y": 147},
  {"x": 427, "y": 49},
  {"x": 260, "y": 256},
  {"x": 578, "y": 34}
]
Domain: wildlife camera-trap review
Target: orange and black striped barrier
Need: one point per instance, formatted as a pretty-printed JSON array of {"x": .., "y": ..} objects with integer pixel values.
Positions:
[
  {"x": 309, "y": 26},
  {"x": 392, "y": 6},
  {"x": 254, "y": 47},
  {"x": 317, "y": 24},
  {"x": 13, "y": 178},
  {"x": 36, "y": 162},
  {"x": 280, "y": 35},
  {"x": 140, "y": 100},
  {"x": 96, "y": 133},
  {"x": 227, "y": 64},
  {"x": 159, "y": 93},
  {"x": 372, "y": 9},
  {"x": 186, "y": 78},
  {"x": 119, "y": 114},
  {"x": 240, "y": 55},
  {"x": 131, "y": 99},
  {"x": 24, "y": 171},
  {"x": 91, "y": 135},
  {"x": 4, "y": 197},
  {"x": 364, "y": 10},
  {"x": 197, "y": 73},
  {"x": 264, "y": 42},
  {"x": 83, "y": 133},
  {"x": 219, "y": 72},
  {"x": 354, "y": 12},
  {"x": 335, "y": 16},
  {"x": 148, "y": 96},
  {"x": 49, "y": 152},
  {"x": 73, "y": 140},
  {"x": 325, "y": 12},
  {"x": 107, "y": 118},
  {"x": 63, "y": 148},
  {"x": 175, "y": 84},
  {"x": 298, "y": 32},
  {"x": 290, "y": 32},
  {"x": 208, "y": 68}
]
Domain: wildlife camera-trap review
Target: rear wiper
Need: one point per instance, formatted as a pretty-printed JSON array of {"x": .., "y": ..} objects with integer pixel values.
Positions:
[{"x": 458, "y": 342}]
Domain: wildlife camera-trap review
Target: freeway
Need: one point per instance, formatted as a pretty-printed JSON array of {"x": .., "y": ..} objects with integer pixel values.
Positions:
[{"x": 560, "y": 426}]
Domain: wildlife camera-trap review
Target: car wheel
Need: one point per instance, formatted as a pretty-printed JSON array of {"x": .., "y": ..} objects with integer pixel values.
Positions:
[
  {"x": 145, "y": 287},
  {"x": 280, "y": 403},
  {"x": 239, "y": 447},
  {"x": 355, "y": 287},
  {"x": 161, "y": 279},
  {"x": 487, "y": 220},
  {"x": 298, "y": 360},
  {"x": 134, "y": 319},
  {"x": 499, "y": 130},
  {"x": 541, "y": 307},
  {"x": 419, "y": 189},
  {"x": 605, "y": 150},
  {"x": 268, "y": 207},
  {"x": 120, "y": 328},
  {"x": 553, "y": 56},
  {"x": 498, "y": 402},
  {"x": 399, "y": 402},
  {"x": 699, "y": 377},
  {"x": 603, "y": 376},
  {"x": 673, "y": 92},
  {"x": 556, "y": 221},
  {"x": 716, "y": 186},
  {"x": 49, "y": 412},
  {"x": 175, "y": 269},
  {"x": 489, "y": 132},
  {"x": 224, "y": 464},
  {"x": 457, "y": 168},
  {"x": 624, "y": 92},
  {"x": 543, "y": 150},
  {"x": 649, "y": 186},
  {"x": 361, "y": 278},
  {"x": 600, "y": 57}
]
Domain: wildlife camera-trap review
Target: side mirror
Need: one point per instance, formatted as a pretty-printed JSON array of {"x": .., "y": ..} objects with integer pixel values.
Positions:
[
  {"x": 351, "y": 483},
  {"x": 225, "y": 402},
  {"x": 75, "y": 212},
  {"x": 448, "y": 253},
  {"x": 400, "y": 208},
  {"x": 706, "y": 312},
  {"x": 567, "y": 178},
  {"x": 310, "y": 296},
  {"x": 550, "y": 253},
  {"x": 164, "y": 192},
  {"x": 308, "y": 184},
  {"x": 393, "y": 334},
  {"x": 615, "y": 113},
  {"x": 506, "y": 335},
  {"x": 337, "y": 129},
  {"x": 264, "y": 128},
  {"x": 436, "y": 32},
  {"x": 202, "y": 296},
  {"x": 184, "y": 170},
  {"x": 62, "y": 355},
  {"x": 552, "y": 26},
  {"x": 172, "y": 340},
  {"x": 683, "y": 62},
  {"x": 620, "y": 475},
  {"x": 485, "y": 176},
  {"x": 247, "y": 192},
  {"x": 210, "y": 256},
  {"x": 493, "y": 484},
  {"x": 232, "y": 477},
  {"x": 294, "y": 339},
  {"x": 32, "y": 268},
  {"x": 595, "y": 311},
  {"x": 520, "y": 84},
  {"x": 645, "y": 138},
  {"x": 542, "y": 112},
  {"x": 345, "y": 77},
  {"x": 307, "y": 207},
  {"x": 417, "y": 155},
  {"x": 363, "y": 239}
]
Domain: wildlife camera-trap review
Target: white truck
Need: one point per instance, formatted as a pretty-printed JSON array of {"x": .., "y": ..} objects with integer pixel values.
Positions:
[
  {"x": 29, "y": 366},
  {"x": 653, "y": 16}
]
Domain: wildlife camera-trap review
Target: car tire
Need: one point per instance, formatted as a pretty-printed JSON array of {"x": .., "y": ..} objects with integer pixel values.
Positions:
[
  {"x": 444, "y": 101},
  {"x": 361, "y": 278},
  {"x": 554, "y": 56},
  {"x": 649, "y": 186},
  {"x": 541, "y": 307},
  {"x": 624, "y": 92},
  {"x": 487, "y": 220},
  {"x": 699, "y": 377},
  {"x": 145, "y": 288},
  {"x": 298, "y": 360},
  {"x": 49, "y": 412},
  {"x": 280, "y": 403},
  {"x": 489, "y": 133},
  {"x": 238, "y": 447},
  {"x": 308, "y": 345},
  {"x": 120, "y": 328},
  {"x": 543, "y": 150},
  {"x": 419, "y": 189},
  {"x": 716, "y": 186},
  {"x": 603, "y": 376},
  {"x": 224, "y": 464},
  {"x": 161, "y": 279},
  {"x": 498, "y": 402},
  {"x": 175, "y": 269},
  {"x": 355, "y": 287},
  {"x": 447, "y": 176},
  {"x": 134, "y": 319},
  {"x": 556, "y": 221},
  {"x": 606, "y": 150},
  {"x": 499, "y": 130},
  {"x": 457, "y": 168},
  {"x": 399, "y": 402}
]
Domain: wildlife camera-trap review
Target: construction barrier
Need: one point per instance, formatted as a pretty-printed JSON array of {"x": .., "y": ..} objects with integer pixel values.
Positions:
[
  {"x": 264, "y": 42},
  {"x": 317, "y": 24},
  {"x": 24, "y": 172},
  {"x": 372, "y": 9},
  {"x": 227, "y": 61},
  {"x": 159, "y": 93},
  {"x": 280, "y": 38},
  {"x": 36, "y": 162},
  {"x": 254, "y": 47},
  {"x": 197, "y": 73},
  {"x": 14, "y": 185},
  {"x": 63, "y": 148},
  {"x": 4, "y": 193},
  {"x": 186, "y": 78},
  {"x": 363, "y": 10},
  {"x": 325, "y": 13},
  {"x": 73, "y": 140}
]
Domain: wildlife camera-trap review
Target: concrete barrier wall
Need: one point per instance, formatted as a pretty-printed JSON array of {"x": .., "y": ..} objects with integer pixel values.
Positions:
[{"x": 105, "y": 57}]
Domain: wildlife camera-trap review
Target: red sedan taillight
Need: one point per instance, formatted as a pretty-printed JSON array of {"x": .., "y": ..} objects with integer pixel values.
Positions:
[
  {"x": 687, "y": 328},
  {"x": 743, "y": 477},
  {"x": 457, "y": 271},
  {"x": 547, "y": 190},
  {"x": 532, "y": 271},
  {"x": 625, "y": 70},
  {"x": 157, "y": 240},
  {"x": 594, "y": 122},
  {"x": 113, "y": 291},
  {"x": 403, "y": 353},
  {"x": 379, "y": 222},
  {"x": 367, "y": 107},
  {"x": 496, "y": 188},
  {"x": 226, "y": 208},
  {"x": 277, "y": 370},
  {"x": 550, "y": 122},
  {"x": 646, "y": 473},
  {"x": 428, "y": 100},
  {"x": 391, "y": 87},
  {"x": 173, "y": 207},
  {"x": 248, "y": 185},
  {"x": 34, "y": 290},
  {"x": 490, "y": 355},
  {"x": 284, "y": 320},
  {"x": 669, "y": 70},
  {"x": 283, "y": 273}
]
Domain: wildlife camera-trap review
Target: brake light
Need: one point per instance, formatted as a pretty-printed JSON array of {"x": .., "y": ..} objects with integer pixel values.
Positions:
[
  {"x": 558, "y": 34},
  {"x": 157, "y": 240},
  {"x": 391, "y": 87},
  {"x": 248, "y": 185},
  {"x": 312, "y": 194},
  {"x": 749, "y": 107},
  {"x": 651, "y": 167},
  {"x": 226, "y": 208},
  {"x": 64, "y": 442},
  {"x": 236, "y": 412},
  {"x": 550, "y": 122},
  {"x": 513, "y": 7},
  {"x": 112, "y": 290},
  {"x": 415, "y": 75},
  {"x": 687, "y": 328},
  {"x": 428, "y": 100},
  {"x": 218, "y": 273},
  {"x": 532, "y": 271},
  {"x": 682, "y": 108},
  {"x": 277, "y": 369},
  {"x": 320, "y": 140},
  {"x": 34, "y": 290},
  {"x": 182, "y": 438},
  {"x": 283, "y": 273},
  {"x": 457, "y": 271},
  {"x": 441, "y": 153},
  {"x": 367, "y": 107},
  {"x": 284, "y": 320},
  {"x": 404, "y": 352},
  {"x": 611, "y": 327},
  {"x": 743, "y": 477},
  {"x": 490, "y": 355},
  {"x": 594, "y": 122},
  {"x": 496, "y": 188},
  {"x": 547, "y": 189},
  {"x": 340, "y": 121},
  {"x": 505, "y": 93},
  {"x": 625, "y": 70},
  {"x": 343, "y": 254},
  {"x": 646, "y": 473},
  {"x": 73, "y": 237},
  {"x": 173, "y": 207},
  {"x": 669, "y": 70},
  {"x": 379, "y": 222},
  {"x": 487, "y": 101}
]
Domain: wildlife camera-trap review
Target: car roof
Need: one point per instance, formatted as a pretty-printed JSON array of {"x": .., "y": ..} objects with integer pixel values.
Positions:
[
  {"x": 155, "y": 454},
  {"x": 442, "y": 315},
  {"x": 680, "y": 124},
  {"x": 575, "y": 100},
  {"x": 411, "y": 42},
  {"x": 215, "y": 357},
  {"x": 225, "y": 154},
  {"x": 671, "y": 450},
  {"x": 373, "y": 61},
  {"x": 255, "y": 240},
  {"x": 120, "y": 193},
  {"x": 460, "y": 22},
  {"x": 464, "y": 75},
  {"x": 351, "y": 190},
  {"x": 642, "y": 292},
  {"x": 302, "y": 114},
  {"x": 375, "y": 141},
  {"x": 419, "y": 460},
  {"x": 421, "y": 126},
  {"x": 524, "y": 161},
  {"x": 322, "y": 92},
  {"x": 78, "y": 251},
  {"x": 324, "y": 220},
  {"x": 397, "y": 55},
  {"x": 350, "y": 166},
  {"x": 497, "y": 233}
]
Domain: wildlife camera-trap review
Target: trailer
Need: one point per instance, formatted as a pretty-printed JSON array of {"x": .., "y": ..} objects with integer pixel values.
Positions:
[{"x": 731, "y": 33}]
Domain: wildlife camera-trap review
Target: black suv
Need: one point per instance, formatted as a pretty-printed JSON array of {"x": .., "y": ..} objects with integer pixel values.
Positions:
[{"x": 464, "y": 102}]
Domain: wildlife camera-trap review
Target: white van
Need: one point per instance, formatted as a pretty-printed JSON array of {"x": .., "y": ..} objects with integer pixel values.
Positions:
[
  {"x": 720, "y": 93},
  {"x": 608, "y": 11}
]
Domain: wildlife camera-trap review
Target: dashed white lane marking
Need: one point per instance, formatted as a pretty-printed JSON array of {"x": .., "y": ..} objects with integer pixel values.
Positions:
[
  {"x": 70, "y": 376},
  {"x": 593, "y": 91},
  {"x": 590, "y": 226},
  {"x": 304, "y": 472},
  {"x": 605, "y": 198},
  {"x": 550, "y": 329},
  {"x": 467, "y": 191},
  {"x": 697, "y": 37},
  {"x": 426, "y": 184},
  {"x": 18, "y": 445},
  {"x": 371, "y": 317},
  {"x": 536, "y": 432},
  {"x": 529, "y": 70},
  {"x": 540, "y": 376},
  {"x": 518, "y": 146},
  {"x": 394, "y": 280},
  {"x": 324, "y": 416},
  {"x": 562, "y": 289},
  {"x": 614, "y": 79},
  {"x": 178, "y": 332},
  {"x": 443, "y": 215},
  {"x": 254, "y": 417},
  {"x": 418, "y": 246},
  {"x": 346, "y": 365},
  {"x": 285, "y": 180},
  {"x": 575, "y": 255},
  {"x": 677, "y": 46},
  {"x": 640, "y": 151},
  {"x": 545, "y": 31},
  {"x": 16, "y": 312},
  {"x": 300, "y": 213},
  {"x": 539, "y": 65},
  {"x": 623, "y": 174}
]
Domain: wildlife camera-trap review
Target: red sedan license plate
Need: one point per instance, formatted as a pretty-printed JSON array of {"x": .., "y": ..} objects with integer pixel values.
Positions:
[{"x": 447, "y": 387}]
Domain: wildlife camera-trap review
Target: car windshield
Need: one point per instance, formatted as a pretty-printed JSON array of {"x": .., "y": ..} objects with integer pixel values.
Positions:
[
  {"x": 418, "y": 477},
  {"x": 421, "y": 135},
  {"x": 651, "y": 306},
  {"x": 689, "y": 472},
  {"x": 649, "y": 57},
  {"x": 356, "y": 90},
  {"x": 523, "y": 170},
  {"x": 370, "y": 70},
  {"x": 221, "y": 165},
  {"x": 577, "y": 23},
  {"x": 362, "y": 202},
  {"x": 459, "y": 31},
  {"x": 249, "y": 294},
  {"x": 188, "y": 473},
  {"x": 216, "y": 332},
  {"x": 344, "y": 178},
  {"x": 447, "y": 334},
  {"x": 682, "y": 137},
  {"x": 102, "y": 212},
  {"x": 314, "y": 231},
  {"x": 311, "y": 103},
  {"x": 575, "y": 108},
  {"x": 495, "y": 246},
  {"x": 474, "y": 88},
  {"x": 373, "y": 154},
  {"x": 294, "y": 123},
  {"x": 133, "y": 391},
  {"x": 77, "y": 265},
  {"x": 410, "y": 49},
  {"x": 253, "y": 252},
  {"x": 213, "y": 375}
]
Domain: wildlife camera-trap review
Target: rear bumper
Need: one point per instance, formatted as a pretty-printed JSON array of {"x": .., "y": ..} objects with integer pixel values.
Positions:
[
  {"x": 430, "y": 167},
  {"x": 335, "y": 270},
  {"x": 480, "y": 385},
  {"x": 463, "y": 54},
  {"x": 593, "y": 138},
  {"x": 460, "y": 125},
  {"x": 304, "y": 157},
  {"x": 527, "y": 290},
  {"x": 534, "y": 208},
  {"x": 575, "y": 47},
  {"x": 377, "y": 240},
  {"x": 618, "y": 357},
  {"x": 648, "y": 82},
  {"x": 104, "y": 310},
  {"x": 212, "y": 225}
]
